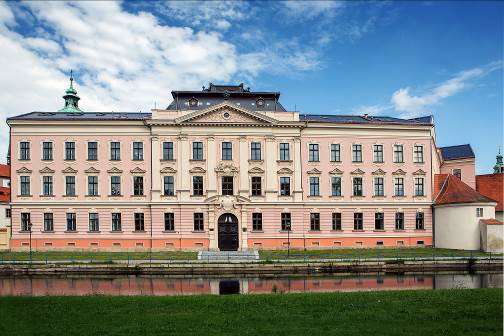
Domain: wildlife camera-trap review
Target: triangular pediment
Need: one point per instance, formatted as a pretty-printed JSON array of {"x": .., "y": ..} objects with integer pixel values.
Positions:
[
  {"x": 419, "y": 172},
  {"x": 399, "y": 172},
  {"x": 314, "y": 171},
  {"x": 379, "y": 171},
  {"x": 137, "y": 170},
  {"x": 225, "y": 113},
  {"x": 256, "y": 170},
  {"x": 357, "y": 171},
  {"x": 285, "y": 171},
  {"x": 114, "y": 170},
  {"x": 197, "y": 170},
  {"x": 23, "y": 170},
  {"x": 91, "y": 170},
  {"x": 168, "y": 170},
  {"x": 46, "y": 170},
  {"x": 336, "y": 171},
  {"x": 69, "y": 170}
]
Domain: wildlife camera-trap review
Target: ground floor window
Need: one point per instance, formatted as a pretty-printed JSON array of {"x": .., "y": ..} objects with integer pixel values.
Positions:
[
  {"x": 399, "y": 221},
  {"x": 257, "y": 221},
  {"x": 71, "y": 220},
  {"x": 94, "y": 222},
  {"x": 169, "y": 221},
  {"x": 48, "y": 222},
  {"x": 116, "y": 221},
  {"x": 198, "y": 221},
  {"x": 419, "y": 221},
  {"x": 25, "y": 221},
  {"x": 336, "y": 221},
  {"x": 358, "y": 222},
  {"x": 379, "y": 225},
  {"x": 285, "y": 219},
  {"x": 315, "y": 221},
  {"x": 139, "y": 221}
]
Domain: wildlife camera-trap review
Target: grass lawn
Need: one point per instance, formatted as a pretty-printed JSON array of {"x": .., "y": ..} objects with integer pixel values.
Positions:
[
  {"x": 439, "y": 312},
  {"x": 369, "y": 253},
  {"x": 102, "y": 256}
]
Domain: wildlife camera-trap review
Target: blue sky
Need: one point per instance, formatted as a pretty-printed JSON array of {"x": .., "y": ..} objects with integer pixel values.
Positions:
[{"x": 326, "y": 57}]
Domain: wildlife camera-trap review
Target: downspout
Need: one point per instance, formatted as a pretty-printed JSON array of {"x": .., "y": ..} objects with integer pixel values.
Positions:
[{"x": 150, "y": 196}]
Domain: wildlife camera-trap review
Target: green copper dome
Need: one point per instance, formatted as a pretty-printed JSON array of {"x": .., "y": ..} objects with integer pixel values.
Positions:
[{"x": 71, "y": 98}]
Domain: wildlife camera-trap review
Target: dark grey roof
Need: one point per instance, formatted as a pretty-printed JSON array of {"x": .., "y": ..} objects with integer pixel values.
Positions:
[
  {"x": 356, "y": 119},
  {"x": 82, "y": 116},
  {"x": 457, "y": 152}
]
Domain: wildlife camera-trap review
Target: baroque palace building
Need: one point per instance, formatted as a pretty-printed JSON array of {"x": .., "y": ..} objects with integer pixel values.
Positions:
[{"x": 222, "y": 168}]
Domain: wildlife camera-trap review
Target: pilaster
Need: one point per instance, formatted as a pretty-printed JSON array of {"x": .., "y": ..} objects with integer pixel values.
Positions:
[
  {"x": 211, "y": 163},
  {"x": 184, "y": 180},
  {"x": 271, "y": 169},
  {"x": 156, "y": 167},
  {"x": 244, "y": 180},
  {"x": 298, "y": 183}
]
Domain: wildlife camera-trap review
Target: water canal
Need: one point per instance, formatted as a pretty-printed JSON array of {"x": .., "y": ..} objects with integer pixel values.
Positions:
[{"x": 168, "y": 286}]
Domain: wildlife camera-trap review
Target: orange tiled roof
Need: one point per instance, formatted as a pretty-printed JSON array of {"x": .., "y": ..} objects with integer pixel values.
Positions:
[
  {"x": 491, "y": 221},
  {"x": 492, "y": 186},
  {"x": 4, "y": 170},
  {"x": 453, "y": 191},
  {"x": 4, "y": 195}
]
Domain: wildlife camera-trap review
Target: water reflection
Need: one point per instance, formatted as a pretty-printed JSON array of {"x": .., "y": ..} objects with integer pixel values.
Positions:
[{"x": 158, "y": 285}]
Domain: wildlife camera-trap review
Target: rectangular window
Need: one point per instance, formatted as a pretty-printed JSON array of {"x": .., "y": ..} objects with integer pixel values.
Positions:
[
  {"x": 69, "y": 185},
  {"x": 419, "y": 221},
  {"x": 70, "y": 151},
  {"x": 378, "y": 186},
  {"x": 197, "y": 185},
  {"x": 92, "y": 185},
  {"x": 256, "y": 221},
  {"x": 197, "y": 150},
  {"x": 357, "y": 221},
  {"x": 457, "y": 172},
  {"x": 336, "y": 185},
  {"x": 139, "y": 221},
  {"x": 284, "y": 151},
  {"x": 379, "y": 221},
  {"x": 116, "y": 221},
  {"x": 336, "y": 221},
  {"x": 256, "y": 186},
  {"x": 47, "y": 150},
  {"x": 284, "y": 186},
  {"x": 115, "y": 151},
  {"x": 48, "y": 222},
  {"x": 227, "y": 151},
  {"x": 315, "y": 221},
  {"x": 168, "y": 151},
  {"x": 94, "y": 222},
  {"x": 479, "y": 212},
  {"x": 168, "y": 186},
  {"x": 314, "y": 186},
  {"x": 47, "y": 185},
  {"x": 227, "y": 185},
  {"x": 399, "y": 221},
  {"x": 92, "y": 151},
  {"x": 419, "y": 186},
  {"x": 198, "y": 221},
  {"x": 357, "y": 186},
  {"x": 418, "y": 154},
  {"x": 399, "y": 186},
  {"x": 115, "y": 185},
  {"x": 255, "y": 151},
  {"x": 378, "y": 153},
  {"x": 25, "y": 221},
  {"x": 285, "y": 219},
  {"x": 71, "y": 222},
  {"x": 169, "y": 221},
  {"x": 398, "y": 154},
  {"x": 25, "y": 185},
  {"x": 138, "y": 185},
  {"x": 313, "y": 152},
  {"x": 335, "y": 153},
  {"x": 137, "y": 151},
  {"x": 356, "y": 153},
  {"x": 8, "y": 213},
  {"x": 24, "y": 150}
]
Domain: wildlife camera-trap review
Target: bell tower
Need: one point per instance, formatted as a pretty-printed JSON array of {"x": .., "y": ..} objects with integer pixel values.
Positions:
[
  {"x": 71, "y": 98},
  {"x": 499, "y": 165}
]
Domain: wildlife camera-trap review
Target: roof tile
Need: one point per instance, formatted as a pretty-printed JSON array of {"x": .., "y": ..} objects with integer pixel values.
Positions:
[
  {"x": 492, "y": 186},
  {"x": 454, "y": 191}
]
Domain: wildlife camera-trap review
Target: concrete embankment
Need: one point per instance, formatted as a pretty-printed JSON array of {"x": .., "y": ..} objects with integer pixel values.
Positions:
[{"x": 253, "y": 267}]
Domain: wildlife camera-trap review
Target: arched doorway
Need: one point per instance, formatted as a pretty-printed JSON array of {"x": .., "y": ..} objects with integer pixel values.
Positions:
[{"x": 228, "y": 232}]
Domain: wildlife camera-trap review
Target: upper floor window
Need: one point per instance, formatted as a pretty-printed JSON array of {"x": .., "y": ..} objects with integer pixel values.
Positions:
[
  {"x": 94, "y": 222},
  {"x": 314, "y": 186},
  {"x": 284, "y": 186},
  {"x": 357, "y": 186},
  {"x": 256, "y": 186},
  {"x": 227, "y": 185},
  {"x": 418, "y": 154},
  {"x": 168, "y": 186},
  {"x": 137, "y": 151},
  {"x": 285, "y": 221},
  {"x": 70, "y": 151},
  {"x": 116, "y": 221},
  {"x": 336, "y": 221},
  {"x": 399, "y": 221},
  {"x": 313, "y": 153},
  {"x": 24, "y": 182},
  {"x": 197, "y": 185},
  {"x": 336, "y": 185},
  {"x": 255, "y": 151},
  {"x": 139, "y": 221},
  {"x": 256, "y": 221},
  {"x": 379, "y": 221},
  {"x": 47, "y": 150},
  {"x": 115, "y": 151},
  {"x": 198, "y": 221},
  {"x": 168, "y": 150},
  {"x": 284, "y": 151},
  {"x": 419, "y": 222},
  {"x": 378, "y": 153},
  {"x": 399, "y": 186},
  {"x": 25, "y": 221},
  {"x": 92, "y": 151},
  {"x": 227, "y": 151},
  {"x": 457, "y": 172},
  {"x": 419, "y": 186},
  {"x": 115, "y": 185},
  {"x": 358, "y": 221},
  {"x": 356, "y": 153},
  {"x": 335, "y": 152},
  {"x": 315, "y": 221},
  {"x": 47, "y": 185},
  {"x": 378, "y": 186},
  {"x": 398, "y": 154},
  {"x": 479, "y": 212},
  {"x": 169, "y": 221},
  {"x": 48, "y": 222},
  {"x": 24, "y": 150},
  {"x": 197, "y": 150},
  {"x": 69, "y": 185},
  {"x": 138, "y": 185},
  {"x": 92, "y": 185}
]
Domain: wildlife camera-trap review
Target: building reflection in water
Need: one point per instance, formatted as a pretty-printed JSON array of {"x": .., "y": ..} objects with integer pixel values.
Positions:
[{"x": 161, "y": 286}]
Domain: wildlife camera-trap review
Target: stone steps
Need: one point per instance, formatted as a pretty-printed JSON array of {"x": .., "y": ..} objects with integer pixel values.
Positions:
[{"x": 228, "y": 255}]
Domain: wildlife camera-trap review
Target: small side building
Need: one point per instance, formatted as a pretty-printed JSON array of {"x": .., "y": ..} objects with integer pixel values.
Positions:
[
  {"x": 492, "y": 231},
  {"x": 492, "y": 186},
  {"x": 458, "y": 209},
  {"x": 5, "y": 210}
]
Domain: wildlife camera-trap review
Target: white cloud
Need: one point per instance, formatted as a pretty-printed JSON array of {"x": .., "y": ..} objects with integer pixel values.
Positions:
[
  {"x": 312, "y": 9},
  {"x": 409, "y": 105}
]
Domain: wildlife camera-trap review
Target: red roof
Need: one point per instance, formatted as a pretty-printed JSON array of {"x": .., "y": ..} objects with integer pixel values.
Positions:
[
  {"x": 491, "y": 221},
  {"x": 453, "y": 191},
  {"x": 492, "y": 186},
  {"x": 4, "y": 170},
  {"x": 4, "y": 195}
]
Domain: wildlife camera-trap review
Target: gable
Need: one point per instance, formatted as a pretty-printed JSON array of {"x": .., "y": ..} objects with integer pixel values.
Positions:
[{"x": 225, "y": 113}]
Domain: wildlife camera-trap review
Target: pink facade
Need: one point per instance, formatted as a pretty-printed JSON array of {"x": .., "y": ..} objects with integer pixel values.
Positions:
[{"x": 227, "y": 217}]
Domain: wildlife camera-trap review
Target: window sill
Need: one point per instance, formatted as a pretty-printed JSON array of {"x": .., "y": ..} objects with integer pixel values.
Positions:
[
  {"x": 138, "y": 231},
  {"x": 419, "y": 163},
  {"x": 284, "y": 161},
  {"x": 196, "y": 196},
  {"x": 314, "y": 196},
  {"x": 378, "y": 230},
  {"x": 93, "y": 231},
  {"x": 92, "y": 195},
  {"x": 168, "y": 196},
  {"x": 24, "y": 231},
  {"x": 139, "y": 196},
  {"x": 47, "y": 196},
  {"x": 285, "y": 231},
  {"x": 255, "y": 161},
  {"x": 202, "y": 231},
  {"x": 336, "y": 196},
  {"x": 46, "y": 160},
  {"x": 24, "y": 160},
  {"x": 379, "y": 196},
  {"x": 71, "y": 231},
  {"x": 399, "y": 163},
  {"x": 399, "y": 230},
  {"x": 169, "y": 231},
  {"x": 420, "y": 230},
  {"x": 197, "y": 160},
  {"x": 168, "y": 160},
  {"x": 69, "y": 161},
  {"x": 257, "y": 231},
  {"x": 115, "y": 195},
  {"x": 338, "y": 231},
  {"x": 378, "y": 162},
  {"x": 116, "y": 231},
  {"x": 357, "y": 197},
  {"x": 314, "y": 162},
  {"x": 399, "y": 196},
  {"x": 314, "y": 231},
  {"x": 335, "y": 162},
  {"x": 69, "y": 196},
  {"x": 357, "y": 162},
  {"x": 358, "y": 231},
  {"x": 43, "y": 231},
  {"x": 92, "y": 160},
  {"x": 115, "y": 160},
  {"x": 137, "y": 160},
  {"x": 24, "y": 195}
]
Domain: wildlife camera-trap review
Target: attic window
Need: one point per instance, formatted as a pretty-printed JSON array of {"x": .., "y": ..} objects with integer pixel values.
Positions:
[
  {"x": 260, "y": 102},
  {"x": 193, "y": 102}
]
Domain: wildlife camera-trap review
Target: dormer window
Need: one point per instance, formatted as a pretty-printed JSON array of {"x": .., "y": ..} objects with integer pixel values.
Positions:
[
  {"x": 260, "y": 102},
  {"x": 193, "y": 102}
]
